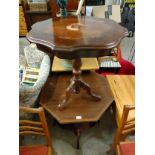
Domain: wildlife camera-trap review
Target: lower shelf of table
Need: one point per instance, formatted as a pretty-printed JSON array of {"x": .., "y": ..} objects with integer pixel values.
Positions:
[{"x": 81, "y": 107}]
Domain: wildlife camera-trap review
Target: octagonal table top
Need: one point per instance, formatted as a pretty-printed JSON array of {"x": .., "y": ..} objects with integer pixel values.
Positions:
[
  {"x": 73, "y": 37},
  {"x": 81, "y": 107}
]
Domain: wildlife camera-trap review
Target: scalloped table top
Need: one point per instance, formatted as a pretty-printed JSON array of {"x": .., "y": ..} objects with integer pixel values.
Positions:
[{"x": 76, "y": 37}]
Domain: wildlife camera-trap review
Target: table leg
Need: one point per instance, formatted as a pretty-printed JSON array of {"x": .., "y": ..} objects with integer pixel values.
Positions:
[
  {"x": 76, "y": 83},
  {"x": 78, "y": 134}
]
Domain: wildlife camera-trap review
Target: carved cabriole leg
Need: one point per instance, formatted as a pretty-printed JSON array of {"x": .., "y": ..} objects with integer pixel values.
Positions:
[
  {"x": 79, "y": 83},
  {"x": 88, "y": 89},
  {"x": 76, "y": 83},
  {"x": 63, "y": 104}
]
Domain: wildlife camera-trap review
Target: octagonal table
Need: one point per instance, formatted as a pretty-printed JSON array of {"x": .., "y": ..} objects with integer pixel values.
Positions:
[
  {"x": 74, "y": 38},
  {"x": 81, "y": 109}
]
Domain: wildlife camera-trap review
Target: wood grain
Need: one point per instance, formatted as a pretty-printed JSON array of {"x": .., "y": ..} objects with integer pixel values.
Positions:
[
  {"x": 93, "y": 37},
  {"x": 79, "y": 104},
  {"x": 123, "y": 88},
  {"x": 60, "y": 65}
]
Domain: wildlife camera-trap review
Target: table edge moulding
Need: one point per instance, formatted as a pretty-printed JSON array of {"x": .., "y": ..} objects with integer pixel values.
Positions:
[
  {"x": 80, "y": 108},
  {"x": 109, "y": 34}
]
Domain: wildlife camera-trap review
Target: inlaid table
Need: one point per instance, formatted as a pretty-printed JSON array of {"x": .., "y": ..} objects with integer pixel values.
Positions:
[{"x": 75, "y": 38}]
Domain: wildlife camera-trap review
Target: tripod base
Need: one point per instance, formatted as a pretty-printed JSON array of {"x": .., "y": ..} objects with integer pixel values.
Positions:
[{"x": 76, "y": 84}]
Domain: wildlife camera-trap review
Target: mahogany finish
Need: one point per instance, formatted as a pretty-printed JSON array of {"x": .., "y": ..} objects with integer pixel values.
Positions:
[
  {"x": 75, "y": 85},
  {"x": 76, "y": 37},
  {"x": 79, "y": 104}
]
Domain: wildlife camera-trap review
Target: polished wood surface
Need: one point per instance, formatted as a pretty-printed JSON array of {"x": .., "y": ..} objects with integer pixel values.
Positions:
[
  {"x": 123, "y": 89},
  {"x": 76, "y": 84},
  {"x": 81, "y": 107},
  {"x": 76, "y": 37}
]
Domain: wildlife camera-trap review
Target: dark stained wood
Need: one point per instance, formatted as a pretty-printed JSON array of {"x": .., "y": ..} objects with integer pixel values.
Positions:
[
  {"x": 79, "y": 104},
  {"x": 75, "y": 85},
  {"x": 36, "y": 16},
  {"x": 75, "y": 37},
  {"x": 32, "y": 17}
]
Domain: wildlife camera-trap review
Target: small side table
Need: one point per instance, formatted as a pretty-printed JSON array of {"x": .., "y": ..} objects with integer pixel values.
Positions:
[{"x": 75, "y": 38}]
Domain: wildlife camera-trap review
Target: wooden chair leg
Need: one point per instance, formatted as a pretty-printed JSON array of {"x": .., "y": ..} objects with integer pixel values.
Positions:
[
  {"x": 113, "y": 146},
  {"x": 118, "y": 151},
  {"x": 110, "y": 149}
]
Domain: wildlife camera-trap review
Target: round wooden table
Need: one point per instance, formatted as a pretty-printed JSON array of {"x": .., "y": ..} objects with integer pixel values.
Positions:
[{"x": 74, "y": 38}]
